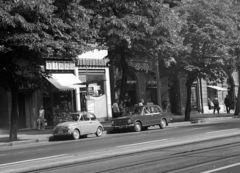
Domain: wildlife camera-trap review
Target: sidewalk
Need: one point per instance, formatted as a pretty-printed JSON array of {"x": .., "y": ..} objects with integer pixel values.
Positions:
[{"x": 27, "y": 136}]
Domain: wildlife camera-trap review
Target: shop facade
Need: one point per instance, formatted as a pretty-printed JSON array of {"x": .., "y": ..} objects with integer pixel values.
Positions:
[
  {"x": 142, "y": 83},
  {"x": 93, "y": 72}
]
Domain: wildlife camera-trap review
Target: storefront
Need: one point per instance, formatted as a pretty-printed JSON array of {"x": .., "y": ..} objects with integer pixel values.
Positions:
[
  {"x": 142, "y": 83},
  {"x": 60, "y": 91},
  {"x": 93, "y": 72}
]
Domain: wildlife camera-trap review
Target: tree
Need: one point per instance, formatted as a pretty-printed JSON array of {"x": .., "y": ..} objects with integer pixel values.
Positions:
[
  {"x": 133, "y": 29},
  {"x": 32, "y": 30},
  {"x": 207, "y": 36}
]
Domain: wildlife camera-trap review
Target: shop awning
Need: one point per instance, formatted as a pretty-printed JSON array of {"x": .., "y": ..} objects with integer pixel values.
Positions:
[
  {"x": 217, "y": 88},
  {"x": 64, "y": 81}
]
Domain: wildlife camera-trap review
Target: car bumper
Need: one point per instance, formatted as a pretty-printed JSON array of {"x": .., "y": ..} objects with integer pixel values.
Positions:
[
  {"x": 57, "y": 133},
  {"x": 122, "y": 126}
]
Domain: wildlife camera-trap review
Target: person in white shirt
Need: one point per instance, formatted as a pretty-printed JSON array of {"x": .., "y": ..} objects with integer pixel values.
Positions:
[
  {"x": 141, "y": 102},
  {"x": 41, "y": 119},
  {"x": 116, "y": 110}
]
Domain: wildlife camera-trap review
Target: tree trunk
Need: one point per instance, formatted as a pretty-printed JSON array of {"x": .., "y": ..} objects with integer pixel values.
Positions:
[
  {"x": 237, "y": 109},
  {"x": 189, "y": 82},
  {"x": 14, "y": 113},
  {"x": 124, "y": 66}
]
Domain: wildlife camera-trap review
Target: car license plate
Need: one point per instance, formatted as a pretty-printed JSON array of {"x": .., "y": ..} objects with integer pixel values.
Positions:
[{"x": 60, "y": 132}]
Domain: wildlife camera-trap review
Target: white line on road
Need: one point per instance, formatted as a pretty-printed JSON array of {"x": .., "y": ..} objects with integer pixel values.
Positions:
[
  {"x": 225, "y": 167},
  {"x": 144, "y": 143},
  {"x": 223, "y": 130},
  {"x": 38, "y": 159}
]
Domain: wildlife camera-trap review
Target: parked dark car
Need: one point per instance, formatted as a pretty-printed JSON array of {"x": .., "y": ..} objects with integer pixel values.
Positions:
[{"x": 140, "y": 118}]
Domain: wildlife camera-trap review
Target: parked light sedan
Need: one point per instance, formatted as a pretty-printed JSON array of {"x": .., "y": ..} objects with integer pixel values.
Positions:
[
  {"x": 79, "y": 124},
  {"x": 140, "y": 118}
]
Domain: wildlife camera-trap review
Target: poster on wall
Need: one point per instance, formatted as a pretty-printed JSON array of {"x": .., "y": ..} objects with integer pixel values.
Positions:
[
  {"x": 100, "y": 106},
  {"x": 90, "y": 106}
]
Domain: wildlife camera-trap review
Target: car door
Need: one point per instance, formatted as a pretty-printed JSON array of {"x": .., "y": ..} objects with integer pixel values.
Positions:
[
  {"x": 94, "y": 122},
  {"x": 148, "y": 116},
  {"x": 157, "y": 114},
  {"x": 85, "y": 124}
]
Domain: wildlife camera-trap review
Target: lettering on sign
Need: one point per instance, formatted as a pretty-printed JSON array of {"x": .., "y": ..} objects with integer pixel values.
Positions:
[
  {"x": 141, "y": 66},
  {"x": 60, "y": 65},
  {"x": 92, "y": 62}
]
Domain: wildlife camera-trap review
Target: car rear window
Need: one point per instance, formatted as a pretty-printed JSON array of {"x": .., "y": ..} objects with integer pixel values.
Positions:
[{"x": 92, "y": 116}]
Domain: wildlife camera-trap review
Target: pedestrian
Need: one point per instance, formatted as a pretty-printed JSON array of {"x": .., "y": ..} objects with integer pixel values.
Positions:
[
  {"x": 128, "y": 102},
  {"x": 216, "y": 105},
  {"x": 116, "y": 110},
  {"x": 210, "y": 104},
  {"x": 227, "y": 103},
  {"x": 41, "y": 121},
  {"x": 141, "y": 102},
  {"x": 121, "y": 107}
]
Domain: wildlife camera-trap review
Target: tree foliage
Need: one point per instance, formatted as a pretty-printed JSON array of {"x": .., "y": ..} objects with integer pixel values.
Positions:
[
  {"x": 207, "y": 35},
  {"x": 33, "y": 30},
  {"x": 133, "y": 29}
]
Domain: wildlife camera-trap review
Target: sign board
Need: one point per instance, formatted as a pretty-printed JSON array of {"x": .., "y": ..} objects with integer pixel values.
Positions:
[{"x": 60, "y": 65}]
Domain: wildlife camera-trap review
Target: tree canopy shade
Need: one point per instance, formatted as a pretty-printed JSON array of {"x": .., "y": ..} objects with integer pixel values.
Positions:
[
  {"x": 207, "y": 35},
  {"x": 133, "y": 29},
  {"x": 32, "y": 30}
]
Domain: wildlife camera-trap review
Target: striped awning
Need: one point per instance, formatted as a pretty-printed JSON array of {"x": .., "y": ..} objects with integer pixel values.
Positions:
[{"x": 65, "y": 81}]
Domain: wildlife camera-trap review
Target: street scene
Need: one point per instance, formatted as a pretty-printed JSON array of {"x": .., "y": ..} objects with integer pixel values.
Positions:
[{"x": 92, "y": 86}]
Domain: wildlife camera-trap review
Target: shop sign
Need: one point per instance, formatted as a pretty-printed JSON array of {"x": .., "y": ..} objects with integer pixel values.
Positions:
[
  {"x": 60, "y": 65},
  {"x": 92, "y": 62},
  {"x": 141, "y": 65}
]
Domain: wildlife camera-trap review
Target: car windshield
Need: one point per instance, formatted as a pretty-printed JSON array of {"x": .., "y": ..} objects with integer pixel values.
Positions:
[
  {"x": 72, "y": 117},
  {"x": 133, "y": 110}
]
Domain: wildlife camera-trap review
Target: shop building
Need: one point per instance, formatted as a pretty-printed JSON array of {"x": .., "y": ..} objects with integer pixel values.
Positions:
[
  {"x": 142, "y": 83},
  {"x": 93, "y": 71}
]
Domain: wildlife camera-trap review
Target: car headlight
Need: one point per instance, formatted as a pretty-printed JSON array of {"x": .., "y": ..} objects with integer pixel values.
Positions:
[
  {"x": 112, "y": 122},
  {"x": 129, "y": 121}
]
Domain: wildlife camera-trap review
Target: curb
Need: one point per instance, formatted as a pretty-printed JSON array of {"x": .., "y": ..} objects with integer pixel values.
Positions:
[{"x": 108, "y": 130}]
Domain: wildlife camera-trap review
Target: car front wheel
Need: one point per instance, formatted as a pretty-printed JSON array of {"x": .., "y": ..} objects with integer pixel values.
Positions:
[
  {"x": 76, "y": 134},
  {"x": 99, "y": 132},
  {"x": 163, "y": 123},
  {"x": 137, "y": 127}
]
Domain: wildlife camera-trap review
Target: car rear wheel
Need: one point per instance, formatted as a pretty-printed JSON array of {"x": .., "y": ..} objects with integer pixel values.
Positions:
[
  {"x": 76, "y": 134},
  {"x": 137, "y": 127},
  {"x": 163, "y": 123},
  {"x": 99, "y": 132}
]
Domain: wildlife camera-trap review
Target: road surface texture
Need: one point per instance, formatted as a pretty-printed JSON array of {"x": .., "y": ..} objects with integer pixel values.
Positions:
[{"x": 155, "y": 150}]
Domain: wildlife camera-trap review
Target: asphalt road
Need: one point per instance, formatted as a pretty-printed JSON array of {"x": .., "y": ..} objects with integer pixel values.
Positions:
[{"x": 63, "y": 149}]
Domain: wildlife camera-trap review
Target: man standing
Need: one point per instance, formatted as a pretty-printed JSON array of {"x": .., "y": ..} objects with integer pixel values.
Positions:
[
  {"x": 41, "y": 118},
  {"x": 116, "y": 110},
  {"x": 227, "y": 103},
  {"x": 216, "y": 104}
]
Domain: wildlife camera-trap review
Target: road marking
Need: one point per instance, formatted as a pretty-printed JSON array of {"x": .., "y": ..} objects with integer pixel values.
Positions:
[
  {"x": 223, "y": 130},
  {"x": 144, "y": 143},
  {"x": 38, "y": 159},
  {"x": 225, "y": 167}
]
